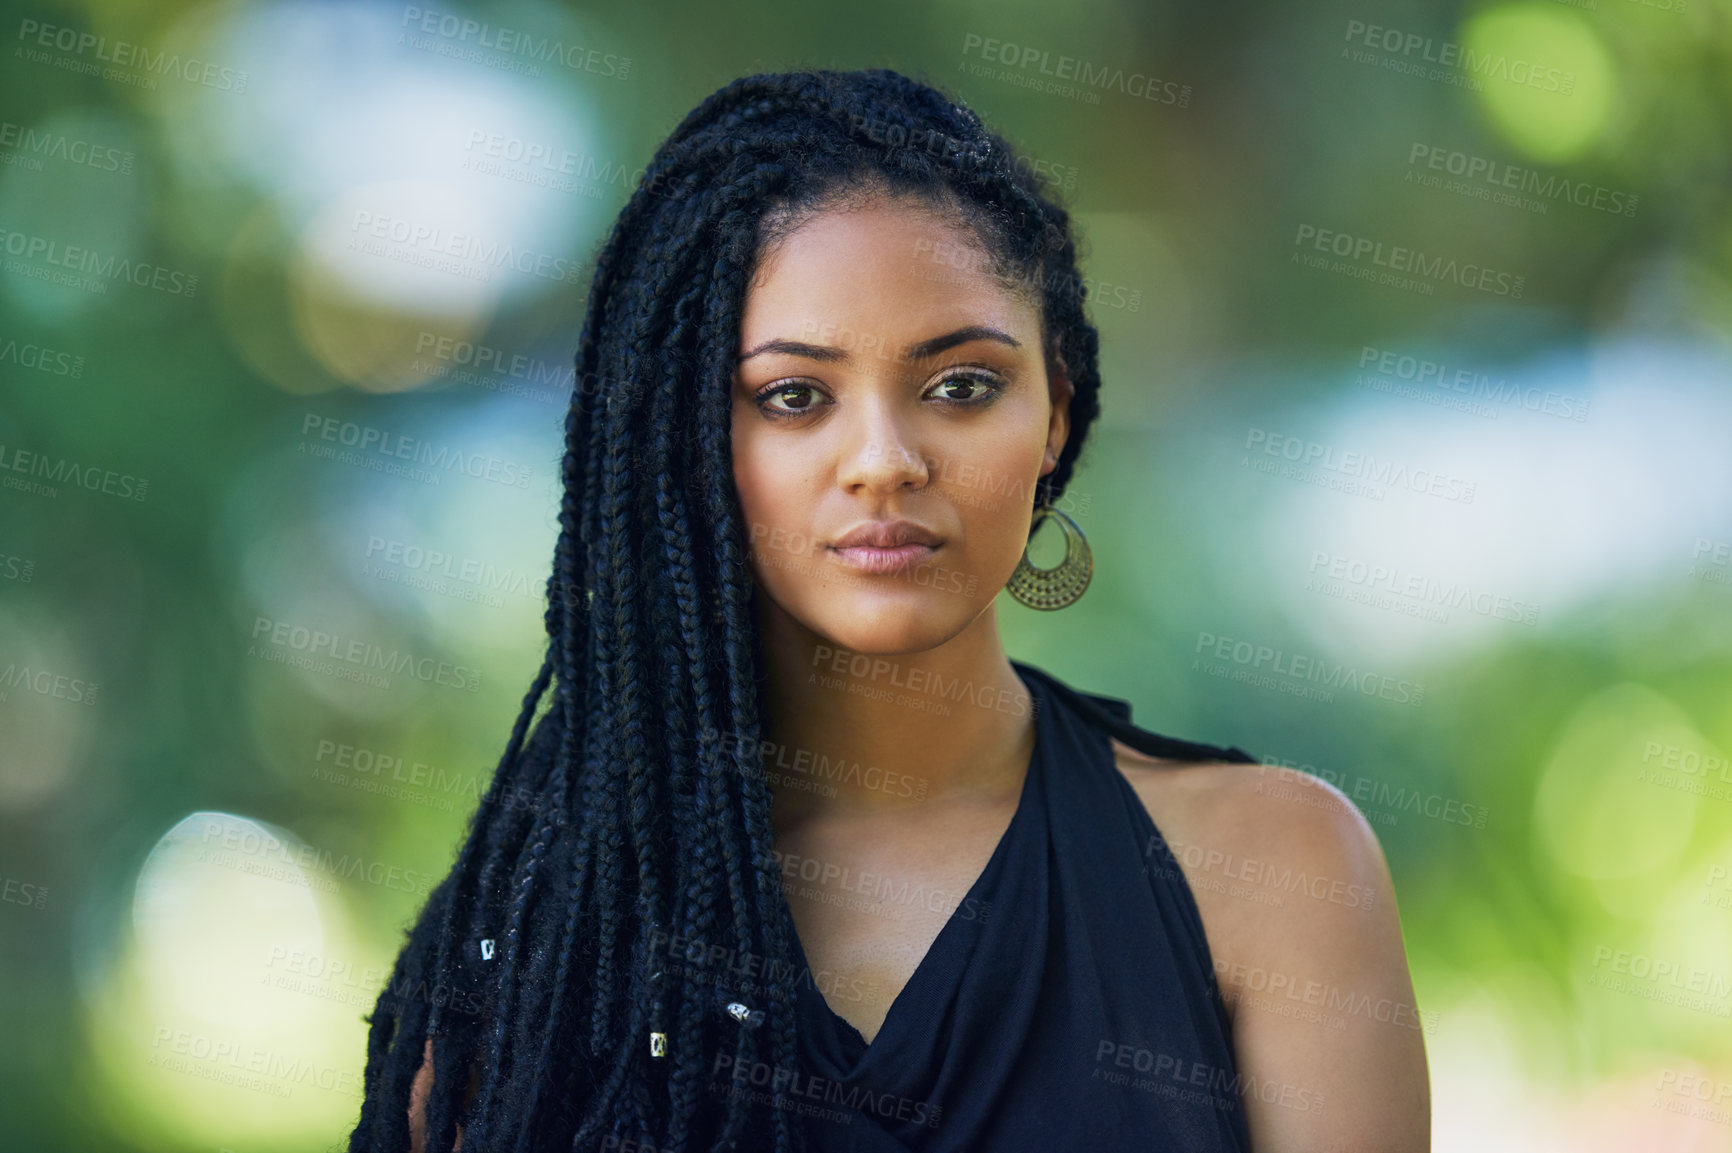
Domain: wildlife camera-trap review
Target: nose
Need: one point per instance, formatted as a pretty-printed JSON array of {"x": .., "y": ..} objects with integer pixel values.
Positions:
[{"x": 880, "y": 456}]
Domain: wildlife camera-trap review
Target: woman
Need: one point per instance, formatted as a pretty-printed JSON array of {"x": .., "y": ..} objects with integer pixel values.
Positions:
[{"x": 797, "y": 857}]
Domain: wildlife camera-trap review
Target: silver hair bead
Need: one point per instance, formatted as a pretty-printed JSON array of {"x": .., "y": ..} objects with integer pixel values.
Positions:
[{"x": 745, "y": 1014}]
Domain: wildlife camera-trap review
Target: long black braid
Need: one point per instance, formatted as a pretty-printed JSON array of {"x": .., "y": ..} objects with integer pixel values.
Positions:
[{"x": 618, "y": 823}]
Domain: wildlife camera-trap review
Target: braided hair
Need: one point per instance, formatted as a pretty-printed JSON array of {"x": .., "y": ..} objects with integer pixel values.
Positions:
[{"x": 620, "y": 835}]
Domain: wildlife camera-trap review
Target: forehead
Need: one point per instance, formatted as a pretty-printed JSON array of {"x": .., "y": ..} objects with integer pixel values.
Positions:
[{"x": 880, "y": 268}]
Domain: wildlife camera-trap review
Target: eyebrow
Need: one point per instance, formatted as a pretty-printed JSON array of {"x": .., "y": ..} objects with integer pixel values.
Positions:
[{"x": 917, "y": 351}]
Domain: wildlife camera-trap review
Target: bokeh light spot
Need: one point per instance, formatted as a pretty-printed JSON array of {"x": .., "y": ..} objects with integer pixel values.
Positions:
[{"x": 1547, "y": 79}]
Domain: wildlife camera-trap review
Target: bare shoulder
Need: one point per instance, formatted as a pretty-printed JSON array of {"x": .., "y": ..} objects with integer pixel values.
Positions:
[
  {"x": 1252, "y": 810},
  {"x": 1272, "y": 855},
  {"x": 1298, "y": 908}
]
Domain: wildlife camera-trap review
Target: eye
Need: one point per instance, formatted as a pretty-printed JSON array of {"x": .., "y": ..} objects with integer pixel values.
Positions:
[
  {"x": 966, "y": 388},
  {"x": 800, "y": 399}
]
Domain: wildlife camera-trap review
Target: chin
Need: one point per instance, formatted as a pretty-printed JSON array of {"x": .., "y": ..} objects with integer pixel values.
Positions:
[{"x": 888, "y": 624}]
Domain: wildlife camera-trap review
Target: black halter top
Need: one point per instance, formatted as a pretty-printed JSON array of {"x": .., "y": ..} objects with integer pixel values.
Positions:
[{"x": 1069, "y": 1003}]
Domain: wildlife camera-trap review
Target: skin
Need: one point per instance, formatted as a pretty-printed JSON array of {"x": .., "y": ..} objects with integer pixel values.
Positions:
[
  {"x": 874, "y": 441},
  {"x": 419, "y": 1090},
  {"x": 877, "y": 436},
  {"x": 955, "y": 440}
]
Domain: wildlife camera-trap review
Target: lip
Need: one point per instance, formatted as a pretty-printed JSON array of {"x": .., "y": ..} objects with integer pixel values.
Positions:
[
  {"x": 885, "y": 547},
  {"x": 887, "y": 534},
  {"x": 884, "y": 561}
]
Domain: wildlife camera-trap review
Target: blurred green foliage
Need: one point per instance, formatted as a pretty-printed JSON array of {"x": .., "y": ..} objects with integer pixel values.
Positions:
[{"x": 1532, "y": 198}]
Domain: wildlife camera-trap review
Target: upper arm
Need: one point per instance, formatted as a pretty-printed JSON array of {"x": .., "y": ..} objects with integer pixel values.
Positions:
[
  {"x": 419, "y": 1090},
  {"x": 1300, "y": 915}
]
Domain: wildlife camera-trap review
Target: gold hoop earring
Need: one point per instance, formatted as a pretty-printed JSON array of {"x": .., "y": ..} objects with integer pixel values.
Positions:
[{"x": 1053, "y": 588}]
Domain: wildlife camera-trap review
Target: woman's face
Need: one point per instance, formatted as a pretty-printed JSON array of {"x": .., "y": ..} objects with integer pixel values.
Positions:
[{"x": 888, "y": 384}]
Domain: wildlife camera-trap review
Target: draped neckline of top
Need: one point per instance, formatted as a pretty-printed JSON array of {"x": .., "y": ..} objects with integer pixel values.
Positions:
[{"x": 950, "y": 938}]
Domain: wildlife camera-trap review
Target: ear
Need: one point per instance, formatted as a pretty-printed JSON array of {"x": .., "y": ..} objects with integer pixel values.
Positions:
[{"x": 1059, "y": 391}]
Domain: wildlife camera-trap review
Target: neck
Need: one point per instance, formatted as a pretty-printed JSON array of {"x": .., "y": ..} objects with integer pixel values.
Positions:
[{"x": 953, "y": 721}]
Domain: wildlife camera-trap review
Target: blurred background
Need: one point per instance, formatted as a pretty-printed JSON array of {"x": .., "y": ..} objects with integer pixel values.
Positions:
[{"x": 1415, "y": 473}]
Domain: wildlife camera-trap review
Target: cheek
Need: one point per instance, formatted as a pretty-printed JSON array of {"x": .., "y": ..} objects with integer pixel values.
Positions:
[
  {"x": 773, "y": 497},
  {"x": 995, "y": 525},
  {"x": 747, "y": 462},
  {"x": 994, "y": 499}
]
